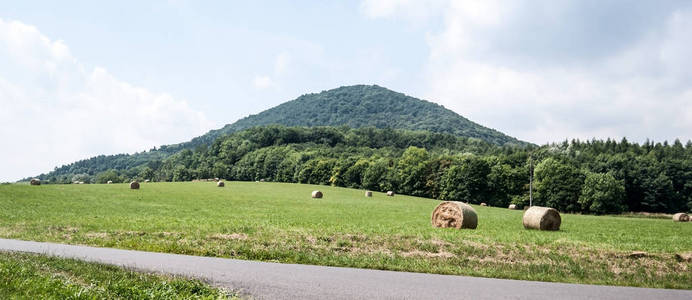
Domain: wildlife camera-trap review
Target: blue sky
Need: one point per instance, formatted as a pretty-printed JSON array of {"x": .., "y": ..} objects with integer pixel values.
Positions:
[{"x": 88, "y": 78}]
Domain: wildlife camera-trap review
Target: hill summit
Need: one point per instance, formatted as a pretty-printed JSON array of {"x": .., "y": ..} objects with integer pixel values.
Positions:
[{"x": 364, "y": 106}]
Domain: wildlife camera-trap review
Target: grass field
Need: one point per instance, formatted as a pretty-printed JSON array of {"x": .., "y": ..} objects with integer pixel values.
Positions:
[
  {"x": 28, "y": 276},
  {"x": 280, "y": 222}
]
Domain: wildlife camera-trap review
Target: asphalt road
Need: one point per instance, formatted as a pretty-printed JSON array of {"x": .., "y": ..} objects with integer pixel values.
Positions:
[{"x": 262, "y": 280}]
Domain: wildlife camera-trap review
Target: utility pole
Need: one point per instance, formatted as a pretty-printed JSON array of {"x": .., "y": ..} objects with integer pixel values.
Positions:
[{"x": 530, "y": 181}]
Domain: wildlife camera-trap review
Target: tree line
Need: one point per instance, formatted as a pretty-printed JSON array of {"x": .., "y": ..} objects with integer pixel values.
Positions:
[{"x": 596, "y": 176}]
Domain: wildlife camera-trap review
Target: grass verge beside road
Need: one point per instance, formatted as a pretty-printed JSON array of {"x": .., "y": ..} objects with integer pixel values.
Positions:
[{"x": 30, "y": 276}]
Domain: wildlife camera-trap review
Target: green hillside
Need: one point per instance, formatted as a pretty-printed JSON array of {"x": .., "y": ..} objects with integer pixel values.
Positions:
[{"x": 355, "y": 106}]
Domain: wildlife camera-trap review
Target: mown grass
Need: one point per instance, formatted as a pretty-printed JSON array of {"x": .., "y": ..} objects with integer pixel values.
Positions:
[
  {"x": 280, "y": 222},
  {"x": 29, "y": 276}
]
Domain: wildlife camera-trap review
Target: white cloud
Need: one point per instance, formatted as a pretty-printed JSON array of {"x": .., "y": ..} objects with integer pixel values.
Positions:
[
  {"x": 415, "y": 10},
  {"x": 262, "y": 82},
  {"x": 282, "y": 63},
  {"x": 57, "y": 110},
  {"x": 552, "y": 71}
]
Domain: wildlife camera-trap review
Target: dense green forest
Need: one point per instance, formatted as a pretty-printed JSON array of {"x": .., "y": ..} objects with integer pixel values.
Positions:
[{"x": 594, "y": 176}]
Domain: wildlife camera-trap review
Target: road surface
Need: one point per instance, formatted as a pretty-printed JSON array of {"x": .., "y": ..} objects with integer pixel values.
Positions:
[{"x": 263, "y": 280}]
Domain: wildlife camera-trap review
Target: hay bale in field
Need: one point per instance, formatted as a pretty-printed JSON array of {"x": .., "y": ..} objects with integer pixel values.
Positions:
[
  {"x": 316, "y": 194},
  {"x": 35, "y": 181},
  {"x": 390, "y": 193},
  {"x": 542, "y": 218},
  {"x": 134, "y": 185},
  {"x": 681, "y": 217},
  {"x": 216, "y": 179},
  {"x": 484, "y": 204},
  {"x": 146, "y": 180},
  {"x": 368, "y": 194},
  {"x": 454, "y": 214},
  {"x": 262, "y": 180},
  {"x": 109, "y": 181},
  {"x": 512, "y": 206},
  {"x": 220, "y": 184}
]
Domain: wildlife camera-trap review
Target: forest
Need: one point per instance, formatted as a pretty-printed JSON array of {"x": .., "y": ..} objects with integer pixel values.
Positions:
[{"x": 593, "y": 177}]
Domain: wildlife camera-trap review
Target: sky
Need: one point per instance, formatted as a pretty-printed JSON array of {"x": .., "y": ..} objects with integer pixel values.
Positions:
[{"x": 84, "y": 78}]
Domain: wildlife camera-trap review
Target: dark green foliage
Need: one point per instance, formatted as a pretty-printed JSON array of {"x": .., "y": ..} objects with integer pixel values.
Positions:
[
  {"x": 110, "y": 175},
  {"x": 504, "y": 181},
  {"x": 466, "y": 180},
  {"x": 602, "y": 194},
  {"x": 364, "y": 106},
  {"x": 558, "y": 185},
  {"x": 655, "y": 177}
]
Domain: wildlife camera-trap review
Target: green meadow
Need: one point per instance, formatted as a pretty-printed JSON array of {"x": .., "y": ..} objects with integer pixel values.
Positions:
[
  {"x": 280, "y": 222},
  {"x": 29, "y": 276}
]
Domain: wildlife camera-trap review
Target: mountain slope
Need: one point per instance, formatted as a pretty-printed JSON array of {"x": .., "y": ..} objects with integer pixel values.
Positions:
[{"x": 363, "y": 106}]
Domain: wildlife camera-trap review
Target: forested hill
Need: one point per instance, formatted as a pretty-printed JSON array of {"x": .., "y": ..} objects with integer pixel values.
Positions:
[
  {"x": 357, "y": 106},
  {"x": 363, "y": 106}
]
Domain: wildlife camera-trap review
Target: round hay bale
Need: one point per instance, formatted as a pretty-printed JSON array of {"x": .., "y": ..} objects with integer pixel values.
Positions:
[
  {"x": 262, "y": 180},
  {"x": 316, "y": 194},
  {"x": 134, "y": 185},
  {"x": 390, "y": 193},
  {"x": 454, "y": 214},
  {"x": 109, "y": 181},
  {"x": 681, "y": 217},
  {"x": 368, "y": 194},
  {"x": 542, "y": 218},
  {"x": 216, "y": 179},
  {"x": 35, "y": 181},
  {"x": 220, "y": 184},
  {"x": 512, "y": 206},
  {"x": 146, "y": 180},
  {"x": 484, "y": 204}
]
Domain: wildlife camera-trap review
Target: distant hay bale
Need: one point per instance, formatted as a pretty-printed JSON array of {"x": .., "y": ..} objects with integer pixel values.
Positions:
[
  {"x": 390, "y": 193},
  {"x": 146, "y": 180},
  {"x": 368, "y": 194},
  {"x": 681, "y": 217},
  {"x": 109, "y": 181},
  {"x": 512, "y": 206},
  {"x": 216, "y": 179},
  {"x": 220, "y": 184},
  {"x": 316, "y": 194},
  {"x": 454, "y": 214},
  {"x": 262, "y": 180},
  {"x": 35, "y": 181},
  {"x": 542, "y": 218},
  {"x": 484, "y": 204},
  {"x": 134, "y": 185},
  {"x": 684, "y": 256}
]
